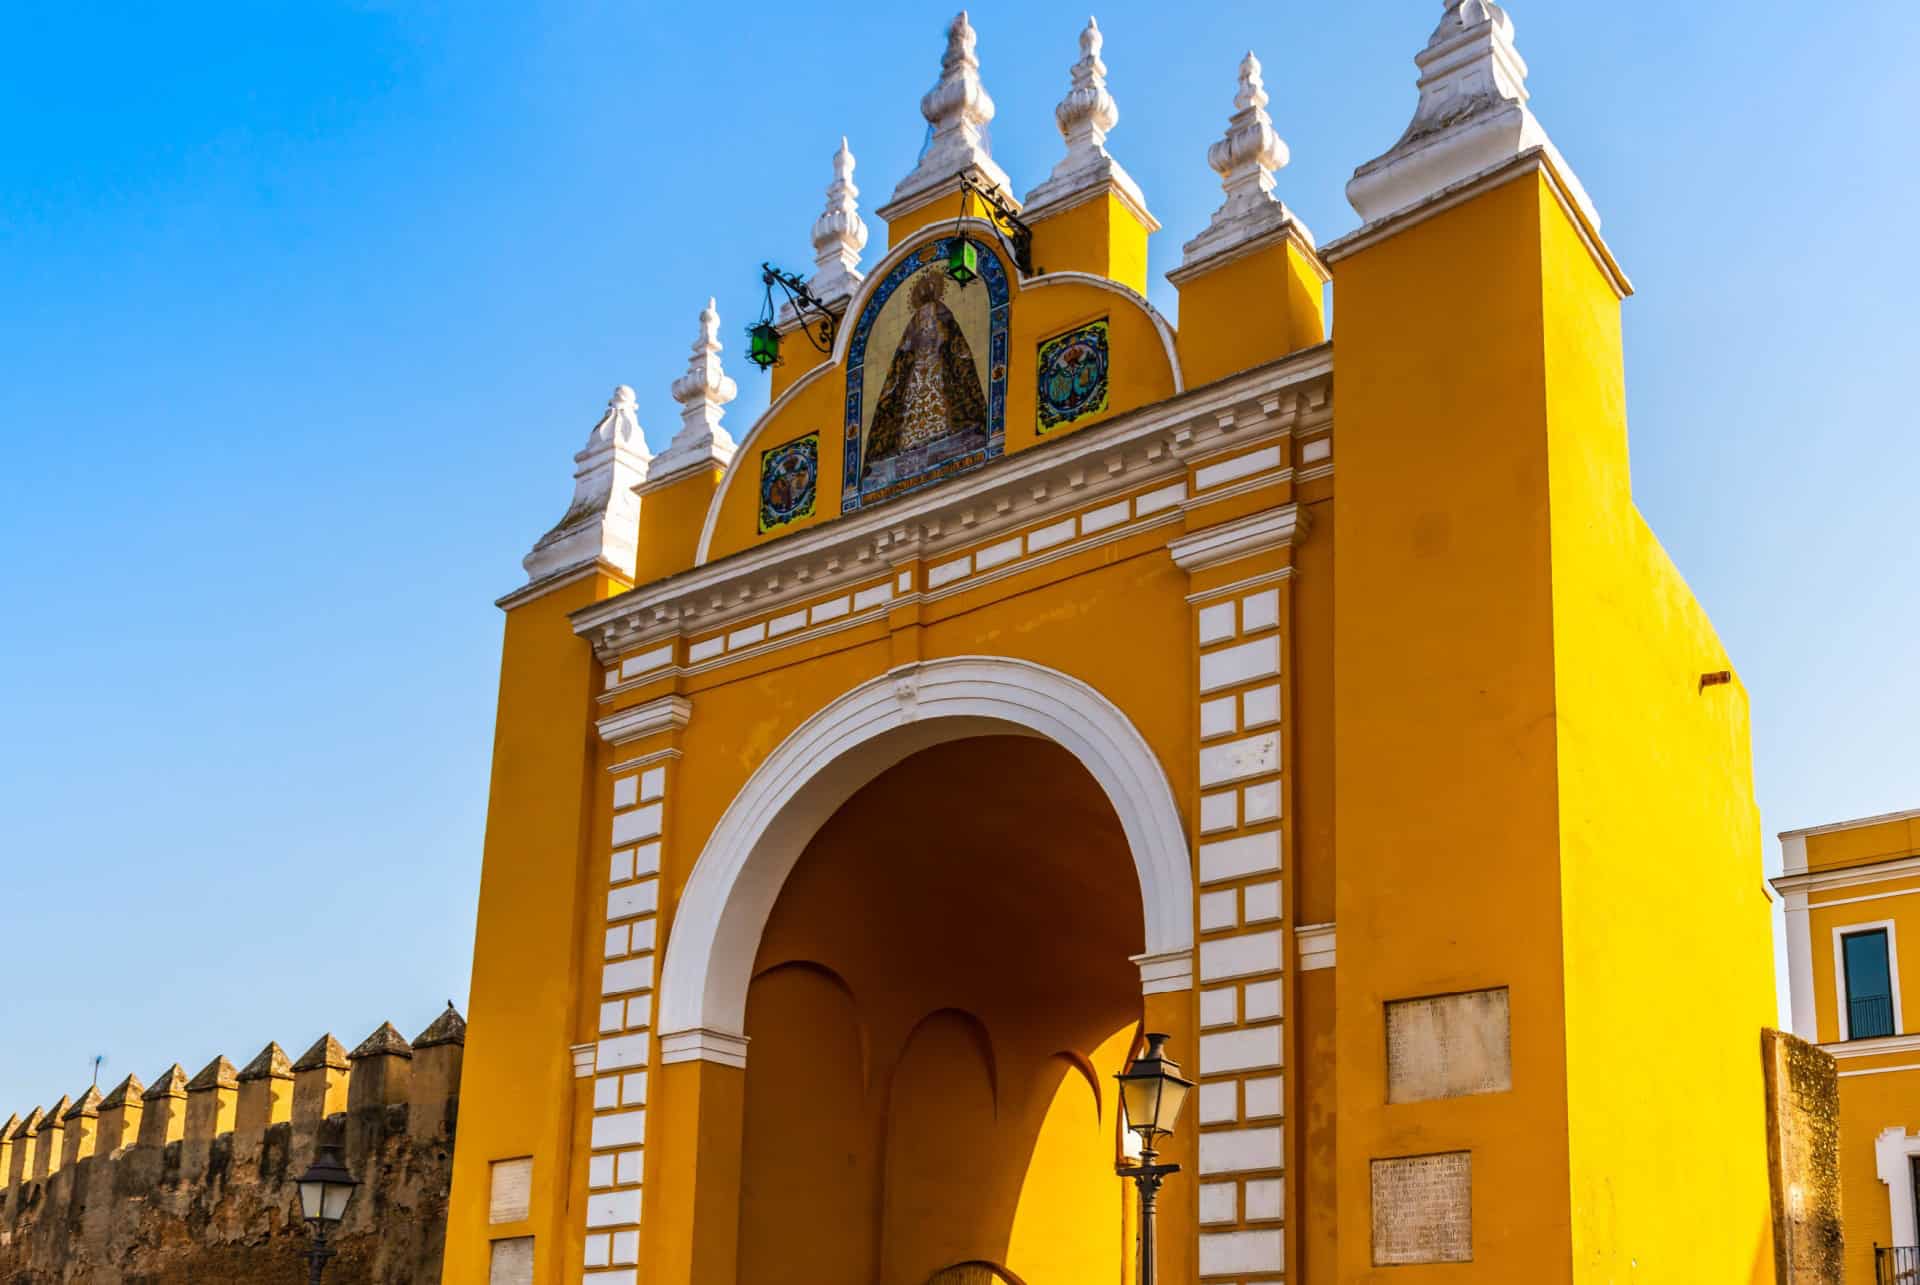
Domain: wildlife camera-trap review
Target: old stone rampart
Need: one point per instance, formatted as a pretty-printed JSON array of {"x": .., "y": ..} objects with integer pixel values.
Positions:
[{"x": 191, "y": 1180}]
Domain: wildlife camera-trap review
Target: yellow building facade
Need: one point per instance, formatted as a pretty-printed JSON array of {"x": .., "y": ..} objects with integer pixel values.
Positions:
[
  {"x": 1852, "y": 894},
  {"x": 1040, "y": 670}
]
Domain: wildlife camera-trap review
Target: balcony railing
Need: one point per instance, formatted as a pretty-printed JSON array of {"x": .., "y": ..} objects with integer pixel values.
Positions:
[
  {"x": 1897, "y": 1266},
  {"x": 1869, "y": 1016}
]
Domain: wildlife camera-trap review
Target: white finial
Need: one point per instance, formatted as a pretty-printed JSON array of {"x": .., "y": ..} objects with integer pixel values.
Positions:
[
  {"x": 703, "y": 393},
  {"x": 839, "y": 234},
  {"x": 1245, "y": 159},
  {"x": 1472, "y": 117},
  {"x": 603, "y": 522},
  {"x": 1085, "y": 117},
  {"x": 959, "y": 109}
]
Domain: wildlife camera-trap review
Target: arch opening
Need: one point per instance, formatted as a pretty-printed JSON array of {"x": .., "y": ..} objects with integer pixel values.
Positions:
[{"x": 964, "y": 925}]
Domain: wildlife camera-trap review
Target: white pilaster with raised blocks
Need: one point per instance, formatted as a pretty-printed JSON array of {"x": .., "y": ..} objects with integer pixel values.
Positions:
[
  {"x": 1241, "y": 1103},
  {"x": 622, "y": 1054}
]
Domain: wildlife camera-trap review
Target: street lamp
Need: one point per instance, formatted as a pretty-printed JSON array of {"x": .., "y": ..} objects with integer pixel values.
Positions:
[
  {"x": 1152, "y": 1091},
  {"x": 325, "y": 1189}
]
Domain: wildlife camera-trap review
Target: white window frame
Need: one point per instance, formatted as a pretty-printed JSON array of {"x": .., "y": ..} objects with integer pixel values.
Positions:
[
  {"x": 1893, "y": 1155},
  {"x": 1841, "y": 1011}
]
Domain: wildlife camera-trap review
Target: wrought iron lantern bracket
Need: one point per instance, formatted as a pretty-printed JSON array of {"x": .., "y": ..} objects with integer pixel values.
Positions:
[
  {"x": 1005, "y": 219},
  {"x": 764, "y": 336}
]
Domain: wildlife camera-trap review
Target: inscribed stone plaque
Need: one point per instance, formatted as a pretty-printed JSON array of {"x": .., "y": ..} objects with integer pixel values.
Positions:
[
  {"x": 512, "y": 1262},
  {"x": 1423, "y": 1210},
  {"x": 1449, "y": 1046},
  {"x": 511, "y": 1193}
]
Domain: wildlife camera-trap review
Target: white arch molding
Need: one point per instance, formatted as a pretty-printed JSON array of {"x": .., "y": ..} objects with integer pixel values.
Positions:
[{"x": 717, "y": 927}]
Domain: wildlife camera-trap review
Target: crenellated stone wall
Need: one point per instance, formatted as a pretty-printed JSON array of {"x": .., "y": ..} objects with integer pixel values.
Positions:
[{"x": 192, "y": 1179}]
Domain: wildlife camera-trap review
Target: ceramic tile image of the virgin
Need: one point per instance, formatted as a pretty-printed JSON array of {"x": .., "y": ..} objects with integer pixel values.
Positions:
[{"x": 926, "y": 391}]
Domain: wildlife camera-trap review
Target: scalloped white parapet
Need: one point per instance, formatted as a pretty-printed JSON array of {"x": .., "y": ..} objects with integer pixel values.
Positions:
[
  {"x": 1085, "y": 116},
  {"x": 703, "y": 393},
  {"x": 959, "y": 109},
  {"x": 1472, "y": 117},
  {"x": 603, "y": 522}
]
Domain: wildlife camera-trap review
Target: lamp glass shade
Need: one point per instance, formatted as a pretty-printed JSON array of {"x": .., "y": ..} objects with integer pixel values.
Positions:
[
  {"x": 963, "y": 260},
  {"x": 325, "y": 1188},
  {"x": 1153, "y": 1091},
  {"x": 763, "y": 345}
]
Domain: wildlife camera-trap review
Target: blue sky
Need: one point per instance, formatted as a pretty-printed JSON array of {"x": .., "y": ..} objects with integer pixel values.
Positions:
[{"x": 304, "y": 309}]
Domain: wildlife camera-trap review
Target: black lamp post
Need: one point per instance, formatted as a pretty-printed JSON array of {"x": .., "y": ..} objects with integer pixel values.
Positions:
[
  {"x": 325, "y": 1189},
  {"x": 1152, "y": 1091}
]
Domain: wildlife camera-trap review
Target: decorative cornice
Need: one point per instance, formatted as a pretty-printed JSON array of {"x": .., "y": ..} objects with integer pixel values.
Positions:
[
  {"x": 1255, "y": 533},
  {"x": 1132, "y": 451},
  {"x": 669, "y": 713},
  {"x": 1315, "y": 944},
  {"x": 1166, "y": 973},
  {"x": 1848, "y": 876},
  {"x": 1845, "y": 1050},
  {"x": 1858, "y": 823},
  {"x": 703, "y": 1045}
]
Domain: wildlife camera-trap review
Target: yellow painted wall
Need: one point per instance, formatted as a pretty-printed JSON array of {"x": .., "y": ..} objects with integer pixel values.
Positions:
[
  {"x": 670, "y": 518},
  {"x": 1837, "y": 910},
  {"x": 1444, "y": 757},
  {"x": 1869, "y": 1104},
  {"x": 1101, "y": 236},
  {"x": 1656, "y": 793},
  {"x": 517, "y": 1085},
  {"x": 1142, "y": 374},
  {"x": 1857, "y": 845},
  {"x": 1523, "y": 754},
  {"x": 1251, "y": 310}
]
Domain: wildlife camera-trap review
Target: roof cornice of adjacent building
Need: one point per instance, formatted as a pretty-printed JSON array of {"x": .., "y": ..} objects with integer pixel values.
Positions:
[
  {"x": 1804, "y": 881},
  {"x": 1135, "y": 450},
  {"x": 1859, "y": 823}
]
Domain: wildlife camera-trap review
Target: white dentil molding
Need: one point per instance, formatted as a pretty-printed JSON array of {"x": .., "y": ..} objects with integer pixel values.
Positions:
[
  {"x": 1472, "y": 117},
  {"x": 703, "y": 393},
  {"x": 1130, "y": 452},
  {"x": 830, "y": 756},
  {"x": 602, "y": 524}
]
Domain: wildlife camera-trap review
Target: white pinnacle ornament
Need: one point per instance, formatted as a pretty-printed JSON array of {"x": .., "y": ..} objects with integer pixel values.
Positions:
[
  {"x": 1085, "y": 116},
  {"x": 603, "y": 522},
  {"x": 839, "y": 234},
  {"x": 1472, "y": 118},
  {"x": 703, "y": 393},
  {"x": 1245, "y": 160},
  {"x": 959, "y": 109}
]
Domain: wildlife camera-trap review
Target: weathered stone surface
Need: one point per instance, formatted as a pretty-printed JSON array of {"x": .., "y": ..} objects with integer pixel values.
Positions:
[
  {"x": 217, "y": 1074},
  {"x": 385, "y": 1042},
  {"x": 1803, "y": 1159},
  {"x": 448, "y": 1028},
  {"x": 171, "y": 1084},
  {"x": 1423, "y": 1210},
  {"x": 271, "y": 1064},
  {"x": 87, "y": 1107},
  {"x": 326, "y": 1053},
  {"x": 152, "y": 1214}
]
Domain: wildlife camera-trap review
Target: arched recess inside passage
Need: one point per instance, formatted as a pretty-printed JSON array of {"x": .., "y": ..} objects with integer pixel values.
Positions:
[
  {"x": 723, "y": 911},
  {"x": 964, "y": 925}
]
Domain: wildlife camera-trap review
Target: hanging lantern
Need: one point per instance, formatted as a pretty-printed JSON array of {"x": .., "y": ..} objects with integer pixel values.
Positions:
[
  {"x": 963, "y": 260},
  {"x": 763, "y": 344}
]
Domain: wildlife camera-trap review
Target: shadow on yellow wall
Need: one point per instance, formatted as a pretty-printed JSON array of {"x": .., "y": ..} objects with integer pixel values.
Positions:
[{"x": 942, "y": 997}]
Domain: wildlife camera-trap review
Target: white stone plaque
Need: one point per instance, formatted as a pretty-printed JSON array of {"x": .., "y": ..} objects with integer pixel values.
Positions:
[
  {"x": 512, "y": 1262},
  {"x": 1423, "y": 1210},
  {"x": 511, "y": 1191},
  {"x": 1449, "y": 1046}
]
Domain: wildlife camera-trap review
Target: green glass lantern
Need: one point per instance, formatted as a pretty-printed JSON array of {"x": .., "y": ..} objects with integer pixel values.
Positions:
[
  {"x": 763, "y": 345},
  {"x": 963, "y": 260}
]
